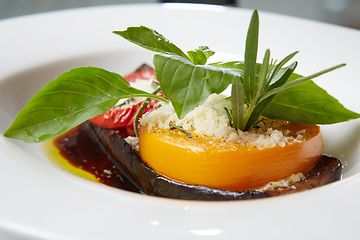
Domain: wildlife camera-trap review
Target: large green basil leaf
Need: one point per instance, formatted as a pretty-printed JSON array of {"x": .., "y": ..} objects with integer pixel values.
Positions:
[
  {"x": 151, "y": 40},
  {"x": 308, "y": 103},
  {"x": 188, "y": 85},
  {"x": 69, "y": 100},
  {"x": 305, "y": 103}
]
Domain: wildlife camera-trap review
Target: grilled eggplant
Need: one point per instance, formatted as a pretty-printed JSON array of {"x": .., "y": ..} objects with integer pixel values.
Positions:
[{"x": 139, "y": 176}]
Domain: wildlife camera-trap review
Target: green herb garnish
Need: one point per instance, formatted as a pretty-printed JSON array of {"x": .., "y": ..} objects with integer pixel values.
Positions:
[
  {"x": 268, "y": 89},
  {"x": 69, "y": 100},
  {"x": 180, "y": 128},
  {"x": 141, "y": 109}
]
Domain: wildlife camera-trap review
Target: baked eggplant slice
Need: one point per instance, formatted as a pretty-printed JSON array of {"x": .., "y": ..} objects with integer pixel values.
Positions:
[{"x": 138, "y": 175}]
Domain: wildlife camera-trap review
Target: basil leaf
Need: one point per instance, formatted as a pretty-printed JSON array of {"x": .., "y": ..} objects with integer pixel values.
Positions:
[
  {"x": 308, "y": 103},
  {"x": 69, "y": 100},
  {"x": 200, "y": 55},
  {"x": 305, "y": 103},
  {"x": 188, "y": 85},
  {"x": 151, "y": 40},
  {"x": 290, "y": 84}
]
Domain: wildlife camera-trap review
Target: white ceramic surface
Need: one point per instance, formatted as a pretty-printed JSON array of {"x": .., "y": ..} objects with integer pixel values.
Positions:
[{"x": 40, "y": 201}]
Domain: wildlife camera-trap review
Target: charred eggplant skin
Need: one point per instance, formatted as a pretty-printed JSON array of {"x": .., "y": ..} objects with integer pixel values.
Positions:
[{"x": 138, "y": 175}]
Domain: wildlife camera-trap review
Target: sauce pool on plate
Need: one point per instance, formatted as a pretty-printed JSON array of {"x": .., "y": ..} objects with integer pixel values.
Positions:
[{"x": 75, "y": 152}]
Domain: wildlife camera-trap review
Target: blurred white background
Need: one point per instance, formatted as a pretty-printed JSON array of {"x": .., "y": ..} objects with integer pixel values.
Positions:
[{"x": 341, "y": 12}]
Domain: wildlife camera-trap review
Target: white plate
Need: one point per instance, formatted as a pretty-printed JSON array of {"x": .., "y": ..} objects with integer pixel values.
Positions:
[{"x": 38, "y": 200}]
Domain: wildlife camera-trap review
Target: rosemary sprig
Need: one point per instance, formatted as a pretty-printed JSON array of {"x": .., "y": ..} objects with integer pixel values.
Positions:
[
  {"x": 260, "y": 89},
  {"x": 180, "y": 128}
]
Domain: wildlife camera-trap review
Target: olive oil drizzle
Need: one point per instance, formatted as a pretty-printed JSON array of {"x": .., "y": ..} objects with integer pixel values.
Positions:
[{"x": 75, "y": 152}]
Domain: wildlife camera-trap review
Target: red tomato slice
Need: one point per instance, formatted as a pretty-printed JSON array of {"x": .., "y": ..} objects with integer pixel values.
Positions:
[
  {"x": 147, "y": 75},
  {"x": 118, "y": 117}
]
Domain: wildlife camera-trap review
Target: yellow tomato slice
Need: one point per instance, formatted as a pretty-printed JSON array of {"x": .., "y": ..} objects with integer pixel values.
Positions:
[{"x": 200, "y": 160}]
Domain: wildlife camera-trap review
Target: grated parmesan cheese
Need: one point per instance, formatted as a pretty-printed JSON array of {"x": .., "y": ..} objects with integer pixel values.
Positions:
[
  {"x": 210, "y": 119},
  {"x": 284, "y": 183},
  {"x": 133, "y": 142},
  {"x": 145, "y": 85}
]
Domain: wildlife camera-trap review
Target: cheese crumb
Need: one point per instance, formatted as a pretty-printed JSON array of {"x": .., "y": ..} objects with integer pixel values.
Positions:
[
  {"x": 210, "y": 119},
  {"x": 133, "y": 142},
  {"x": 284, "y": 183}
]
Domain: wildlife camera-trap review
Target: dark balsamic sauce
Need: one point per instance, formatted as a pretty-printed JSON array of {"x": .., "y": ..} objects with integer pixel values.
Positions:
[{"x": 78, "y": 149}]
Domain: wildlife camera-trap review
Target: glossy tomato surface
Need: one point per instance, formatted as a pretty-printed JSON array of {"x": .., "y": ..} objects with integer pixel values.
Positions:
[{"x": 123, "y": 117}]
